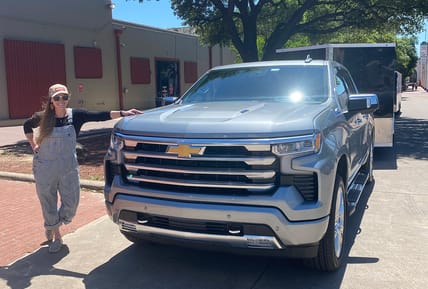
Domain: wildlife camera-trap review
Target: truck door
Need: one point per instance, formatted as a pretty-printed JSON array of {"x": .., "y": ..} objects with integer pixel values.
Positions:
[{"x": 357, "y": 122}]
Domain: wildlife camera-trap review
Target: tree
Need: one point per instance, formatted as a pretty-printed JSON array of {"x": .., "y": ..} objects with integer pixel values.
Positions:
[
  {"x": 406, "y": 56},
  {"x": 273, "y": 23}
]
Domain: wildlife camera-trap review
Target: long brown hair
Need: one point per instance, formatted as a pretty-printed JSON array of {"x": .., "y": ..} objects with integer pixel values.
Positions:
[{"x": 47, "y": 122}]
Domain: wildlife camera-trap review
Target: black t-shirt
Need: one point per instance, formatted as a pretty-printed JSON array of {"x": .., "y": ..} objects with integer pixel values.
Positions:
[{"x": 80, "y": 116}]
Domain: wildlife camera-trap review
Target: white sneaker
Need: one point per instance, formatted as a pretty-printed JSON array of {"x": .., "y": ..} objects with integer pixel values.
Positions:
[{"x": 55, "y": 246}]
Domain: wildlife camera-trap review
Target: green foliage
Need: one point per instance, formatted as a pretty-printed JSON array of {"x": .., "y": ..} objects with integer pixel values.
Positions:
[
  {"x": 256, "y": 28},
  {"x": 406, "y": 56}
]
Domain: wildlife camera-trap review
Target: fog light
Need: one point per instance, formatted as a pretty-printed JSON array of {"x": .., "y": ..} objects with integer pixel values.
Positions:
[{"x": 262, "y": 242}]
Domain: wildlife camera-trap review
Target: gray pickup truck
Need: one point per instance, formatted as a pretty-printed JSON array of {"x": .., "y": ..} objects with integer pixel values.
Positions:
[{"x": 266, "y": 157}]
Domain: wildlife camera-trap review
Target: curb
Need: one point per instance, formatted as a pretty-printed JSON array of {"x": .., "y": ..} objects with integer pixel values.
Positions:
[
  {"x": 94, "y": 132},
  {"x": 86, "y": 184}
]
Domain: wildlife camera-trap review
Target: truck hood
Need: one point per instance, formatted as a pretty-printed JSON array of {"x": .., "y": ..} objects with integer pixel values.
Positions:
[{"x": 249, "y": 119}]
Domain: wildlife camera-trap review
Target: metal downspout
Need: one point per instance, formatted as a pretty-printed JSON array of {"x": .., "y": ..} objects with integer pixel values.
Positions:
[{"x": 118, "y": 33}]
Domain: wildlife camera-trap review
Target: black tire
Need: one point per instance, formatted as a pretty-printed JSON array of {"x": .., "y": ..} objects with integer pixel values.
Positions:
[{"x": 331, "y": 247}]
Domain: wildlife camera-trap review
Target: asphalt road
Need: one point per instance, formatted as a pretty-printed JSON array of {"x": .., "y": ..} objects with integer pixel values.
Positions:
[{"x": 388, "y": 237}]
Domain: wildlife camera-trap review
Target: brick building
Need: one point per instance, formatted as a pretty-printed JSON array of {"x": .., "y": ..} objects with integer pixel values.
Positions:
[{"x": 107, "y": 64}]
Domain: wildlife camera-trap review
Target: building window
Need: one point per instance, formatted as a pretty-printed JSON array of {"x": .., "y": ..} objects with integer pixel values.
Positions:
[
  {"x": 140, "y": 70},
  {"x": 30, "y": 68},
  {"x": 190, "y": 72},
  {"x": 88, "y": 62},
  {"x": 167, "y": 76}
]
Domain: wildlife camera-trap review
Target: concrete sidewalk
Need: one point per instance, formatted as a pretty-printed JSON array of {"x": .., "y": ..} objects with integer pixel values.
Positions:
[{"x": 21, "y": 219}]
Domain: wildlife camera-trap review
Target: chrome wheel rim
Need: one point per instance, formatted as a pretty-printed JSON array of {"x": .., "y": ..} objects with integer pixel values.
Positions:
[{"x": 339, "y": 222}]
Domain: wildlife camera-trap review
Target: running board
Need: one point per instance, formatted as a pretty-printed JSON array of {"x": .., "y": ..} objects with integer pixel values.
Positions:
[{"x": 356, "y": 190}]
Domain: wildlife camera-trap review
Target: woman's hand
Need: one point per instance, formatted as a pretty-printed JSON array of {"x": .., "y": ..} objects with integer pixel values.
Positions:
[
  {"x": 33, "y": 144},
  {"x": 132, "y": 111},
  {"x": 119, "y": 113},
  {"x": 35, "y": 147}
]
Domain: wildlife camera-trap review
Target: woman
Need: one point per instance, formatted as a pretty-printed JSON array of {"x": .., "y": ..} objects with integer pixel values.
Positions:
[{"x": 55, "y": 165}]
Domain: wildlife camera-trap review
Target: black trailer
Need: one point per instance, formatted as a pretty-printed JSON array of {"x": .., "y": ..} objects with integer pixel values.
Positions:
[{"x": 372, "y": 67}]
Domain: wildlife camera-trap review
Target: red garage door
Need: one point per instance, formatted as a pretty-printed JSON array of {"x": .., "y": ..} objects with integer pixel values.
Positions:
[{"x": 31, "y": 67}]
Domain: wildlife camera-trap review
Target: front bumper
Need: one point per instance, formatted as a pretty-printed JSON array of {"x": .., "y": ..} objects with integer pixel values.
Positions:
[{"x": 130, "y": 213}]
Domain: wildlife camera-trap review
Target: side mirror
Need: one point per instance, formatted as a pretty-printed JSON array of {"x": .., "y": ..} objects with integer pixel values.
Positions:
[{"x": 364, "y": 103}]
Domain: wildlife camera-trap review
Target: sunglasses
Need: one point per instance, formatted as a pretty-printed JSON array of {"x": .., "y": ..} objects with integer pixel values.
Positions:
[{"x": 58, "y": 97}]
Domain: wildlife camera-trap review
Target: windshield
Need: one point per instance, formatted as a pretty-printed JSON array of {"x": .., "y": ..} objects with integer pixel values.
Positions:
[{"x": 291, "y": 83}]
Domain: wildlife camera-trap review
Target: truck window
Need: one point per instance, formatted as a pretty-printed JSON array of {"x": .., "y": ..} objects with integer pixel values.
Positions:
[
  {"x": 278, "y": 83},
  {"x": 342, "y": 93}
]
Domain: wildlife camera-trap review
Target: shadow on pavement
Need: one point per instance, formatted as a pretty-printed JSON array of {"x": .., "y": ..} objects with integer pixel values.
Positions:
[
  {"x": 410, "y": 140},
  {"x": 354, "y": 227},
  {"x": 19, "y": 274},
  {"x": 169, "y": 267},
  {"x": 384, "y": 159},
  {"x": 161, "y": 266}
]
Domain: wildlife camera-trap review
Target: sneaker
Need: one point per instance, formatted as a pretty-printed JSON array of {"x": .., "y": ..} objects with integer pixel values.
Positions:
[
  {"x": 49, "y": 234},
  {"x": 55, "y": 246}
]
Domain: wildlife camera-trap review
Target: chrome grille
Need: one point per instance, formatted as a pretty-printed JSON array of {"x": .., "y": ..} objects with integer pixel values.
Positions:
[{"x": 214, "y": 166}]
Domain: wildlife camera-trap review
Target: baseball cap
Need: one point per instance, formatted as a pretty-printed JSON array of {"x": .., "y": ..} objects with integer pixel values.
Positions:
[{"x": 57, "y": 89}]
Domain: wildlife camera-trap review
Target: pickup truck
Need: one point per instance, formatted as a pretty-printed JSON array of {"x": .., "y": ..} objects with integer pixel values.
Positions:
[{"x": 266, "y": 158}]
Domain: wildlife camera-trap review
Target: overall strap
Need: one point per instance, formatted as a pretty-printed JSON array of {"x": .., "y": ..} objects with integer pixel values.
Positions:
[{"x": 69, "y": 115}]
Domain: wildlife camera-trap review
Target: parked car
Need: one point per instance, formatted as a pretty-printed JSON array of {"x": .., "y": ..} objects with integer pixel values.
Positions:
[{"x": 165, "y": 100}]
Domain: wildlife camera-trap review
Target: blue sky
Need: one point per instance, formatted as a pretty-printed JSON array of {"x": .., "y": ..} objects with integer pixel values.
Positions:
[
  {"x": 151, "y": 13},
  {"x": 159, "y": 14},
  {"x": 423, "y": 36}
]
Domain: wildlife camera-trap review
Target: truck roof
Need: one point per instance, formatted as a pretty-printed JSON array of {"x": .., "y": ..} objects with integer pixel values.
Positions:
[
  {"x": 273, "y": 63},
  {"x": 337, "y": 45}
]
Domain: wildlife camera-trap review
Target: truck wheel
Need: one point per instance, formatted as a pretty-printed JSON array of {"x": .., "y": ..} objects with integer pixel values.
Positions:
[{"x": 331, "y": 247}]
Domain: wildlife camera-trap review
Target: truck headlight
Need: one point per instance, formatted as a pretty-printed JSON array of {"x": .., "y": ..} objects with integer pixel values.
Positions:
[
  {"x": 116, "y": 142},
  {"x": 304, "y": 144}
]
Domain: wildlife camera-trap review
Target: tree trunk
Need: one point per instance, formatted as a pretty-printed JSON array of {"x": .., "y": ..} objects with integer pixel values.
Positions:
[{"x": 249, "y": 55}]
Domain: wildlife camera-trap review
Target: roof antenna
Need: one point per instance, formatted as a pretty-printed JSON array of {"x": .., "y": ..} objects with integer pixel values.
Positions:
[{"x": 308, "y": 58}]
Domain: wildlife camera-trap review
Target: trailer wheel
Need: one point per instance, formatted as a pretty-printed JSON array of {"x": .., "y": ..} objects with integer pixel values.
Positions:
[{"x": 331, "y": 247}]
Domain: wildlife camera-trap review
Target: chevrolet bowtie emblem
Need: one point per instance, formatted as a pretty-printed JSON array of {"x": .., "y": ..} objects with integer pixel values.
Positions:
[{"x": 185, "y": 151}]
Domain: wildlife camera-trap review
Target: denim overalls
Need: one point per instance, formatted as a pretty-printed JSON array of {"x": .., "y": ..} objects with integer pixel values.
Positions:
[{"x": 56, "y": 169}]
